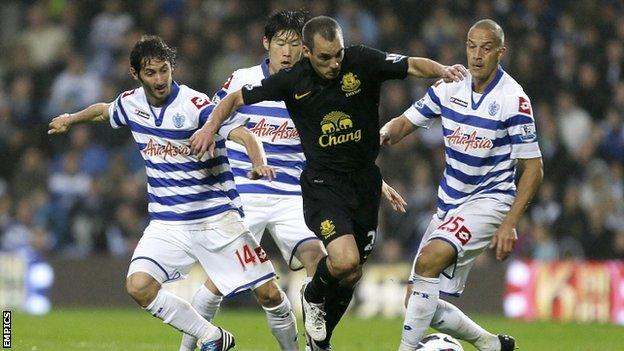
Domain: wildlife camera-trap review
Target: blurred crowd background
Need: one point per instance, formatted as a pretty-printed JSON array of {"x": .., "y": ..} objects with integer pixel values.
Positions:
[{"x": 84, "y": 193}]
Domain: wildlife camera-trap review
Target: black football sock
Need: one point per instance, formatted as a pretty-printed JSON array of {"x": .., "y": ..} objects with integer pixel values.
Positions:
[
  {"x": 336, "y": 304},
  {"x": 321, "y": 283}
]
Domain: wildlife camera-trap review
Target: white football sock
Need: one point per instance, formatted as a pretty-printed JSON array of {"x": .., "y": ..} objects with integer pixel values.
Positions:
[
  {"x": 421, "y": 307},
  {"x": 283, "y": 324},
  {"x": 451, "y": 320},
  {"x": 207, "y": 304},
  {"x": 182, "y": 316}
]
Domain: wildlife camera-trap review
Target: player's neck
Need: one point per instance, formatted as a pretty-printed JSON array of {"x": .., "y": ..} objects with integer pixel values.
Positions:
[
  {"x": 154, "y": 101},
  {"x": 479, "y": 85}
]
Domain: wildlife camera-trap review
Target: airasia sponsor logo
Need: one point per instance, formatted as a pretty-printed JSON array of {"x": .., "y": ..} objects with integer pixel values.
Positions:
[
  {"x": 266, "y": 130},
  {"x": 169, "y": 150},
  {"x": 469, "y": 141}
]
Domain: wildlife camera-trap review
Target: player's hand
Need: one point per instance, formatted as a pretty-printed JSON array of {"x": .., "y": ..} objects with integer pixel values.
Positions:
[
  {"x": 262, "y": 172},
  {"x": 384, "y": 138},
  {"x": 395, "y": 199},
  {"x": 202, "y": 141},
  {"x": 454, "y": 73},
  {"x": 504, "y": 241},
  {"x": 59, "y": 124}
]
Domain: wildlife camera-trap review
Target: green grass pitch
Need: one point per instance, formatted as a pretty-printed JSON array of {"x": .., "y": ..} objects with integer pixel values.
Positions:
[{"x": 124, "y": 330}]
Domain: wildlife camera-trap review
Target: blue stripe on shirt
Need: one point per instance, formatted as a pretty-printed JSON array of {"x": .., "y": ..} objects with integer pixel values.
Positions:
[
  {"x": 204, "y": 114},
  {"x": 187, "y": 166},
  {"x": 265, "y": 111},
  {"x": 156, "y": 182},
  {"x": 162, "y": 133},
  {"x": 518, "y": 120},
  {"x": 281, "y": 149},
  {"x": 426, "y": 111},
  {"x": 242, "y": 157},
  {"x": 280, "y": 176},
  {"x": 116, "y": 118},
  {"x": 472, "y": 120},
  {"x": 456, "y": 194},
  {"x": 173, "y": 200},
  {"x": 192, "y": 215},
  {"x": 263, "y": 189},
  {"x": 123, "y": 111},
  {"x": 475, "y": 161},
  {"x": 472, "y": 179},
  {"x": 433, "y": 97}
]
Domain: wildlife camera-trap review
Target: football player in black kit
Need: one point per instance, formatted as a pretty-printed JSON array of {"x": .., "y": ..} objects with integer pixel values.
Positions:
[{"x": 332, "y": 95}]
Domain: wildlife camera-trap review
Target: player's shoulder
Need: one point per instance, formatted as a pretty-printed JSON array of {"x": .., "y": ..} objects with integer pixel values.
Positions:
[
  {"x": 510, "y": 86},
  {"x": 192, "y": 98},
  {"x": 246, "y": 74},
  {"x": 131, "y": 94}
]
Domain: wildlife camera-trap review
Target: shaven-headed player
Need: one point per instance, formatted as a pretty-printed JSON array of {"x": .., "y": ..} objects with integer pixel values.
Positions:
[
  {"x": 488, "y": 128},
  {"x": 274, "y": 205},
  {"x": 194, "y": 207}
]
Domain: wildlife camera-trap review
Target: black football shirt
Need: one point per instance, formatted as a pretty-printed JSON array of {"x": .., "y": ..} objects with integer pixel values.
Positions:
[{"x": 337, "y": 119}]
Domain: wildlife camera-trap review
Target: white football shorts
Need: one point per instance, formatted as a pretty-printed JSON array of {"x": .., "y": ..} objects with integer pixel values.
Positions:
[
  {"x": 283, "y": 217},
  {"x": 223, "y": 245},
  {"x": 469, "y": 229}
]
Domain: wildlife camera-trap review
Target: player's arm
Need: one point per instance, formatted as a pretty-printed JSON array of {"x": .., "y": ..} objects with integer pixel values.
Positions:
[
  {"x": 421, "y": 67},
  {"x": 505, "y": 237},
  {"x": 255, "y": 151},
  {"x": 95, "y": 113},
  {"x": 395, "y": 130},
  {"x": 203, "y": 139}
]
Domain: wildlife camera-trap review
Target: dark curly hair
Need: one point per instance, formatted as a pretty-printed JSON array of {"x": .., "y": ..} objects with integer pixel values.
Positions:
[{"x": 151, "y": 47}]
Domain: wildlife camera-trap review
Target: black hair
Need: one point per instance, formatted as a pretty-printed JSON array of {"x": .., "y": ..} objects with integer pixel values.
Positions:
[
  {"x": 326, "y": 27},
  {"x": 151, "y": 47},
  {"x": 285, "y": 21}
]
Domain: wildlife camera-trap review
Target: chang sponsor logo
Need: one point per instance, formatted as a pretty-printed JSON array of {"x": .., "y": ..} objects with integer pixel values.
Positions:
[{"x": 337, "y": 128}]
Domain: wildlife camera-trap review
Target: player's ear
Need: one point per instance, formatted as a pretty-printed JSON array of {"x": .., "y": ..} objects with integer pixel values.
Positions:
[
  {"x": 265, "y": 43},
  {"x": 501, "y": 52},
  {"x": 134, "y": 73},
  {"x": 306, "y": 51}
]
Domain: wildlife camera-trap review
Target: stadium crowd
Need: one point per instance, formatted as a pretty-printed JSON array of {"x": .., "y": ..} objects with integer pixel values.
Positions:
[{"x": 85, "y": 194}]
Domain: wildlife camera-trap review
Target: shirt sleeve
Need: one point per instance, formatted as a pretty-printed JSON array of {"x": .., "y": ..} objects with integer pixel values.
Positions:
[
  {"x": 520, "y": 124},
  {"x": 424, "y": 111},
  {"x": 117, "y": 113},
  {"x": 273, "y": 88},
  {"x": 235, "y": 121},
  {"x": 383, "y": 66}
]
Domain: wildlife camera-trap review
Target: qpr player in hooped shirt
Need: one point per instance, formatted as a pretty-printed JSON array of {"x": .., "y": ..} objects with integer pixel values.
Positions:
[
  {"x": 488, "y": 130},
  {"x": 194, "y": 207}
]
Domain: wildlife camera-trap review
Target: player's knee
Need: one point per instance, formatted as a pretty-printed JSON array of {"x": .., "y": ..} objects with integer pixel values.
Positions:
[
  {"x": 141, "y": 289},
  {"x": 344, "y": 266},
  {"x": 353, "y": 278},
  {"x": 269, "y": 294},
  {"x": 430, "y": 263}
]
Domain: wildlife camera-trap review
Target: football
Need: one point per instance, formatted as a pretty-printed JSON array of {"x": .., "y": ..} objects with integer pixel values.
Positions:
[{"x": 439, "y": 342}]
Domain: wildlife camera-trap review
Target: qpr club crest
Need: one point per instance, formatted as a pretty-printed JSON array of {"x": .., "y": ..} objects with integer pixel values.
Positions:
[
  {"x": 178, "y": 120},
  {"x": 493, "y": 108}
]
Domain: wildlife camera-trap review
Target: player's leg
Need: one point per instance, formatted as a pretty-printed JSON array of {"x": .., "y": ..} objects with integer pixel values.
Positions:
[
  {"x": 279, "y": 314},
  {"x": 206, "y": 301},
  {"x": 161, "y": 256},
  {"x": 235, "y": 262},
  {"x": 207, "y": 298},
  {"x": 432, "y": 258}
]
